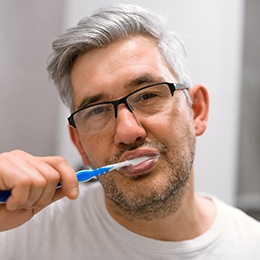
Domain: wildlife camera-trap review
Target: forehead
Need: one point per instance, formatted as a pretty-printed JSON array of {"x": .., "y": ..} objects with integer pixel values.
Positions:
[{"x": 111, "y": 70}]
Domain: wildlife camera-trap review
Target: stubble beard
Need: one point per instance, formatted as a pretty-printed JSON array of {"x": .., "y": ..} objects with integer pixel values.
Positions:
[{"x": 156, "y": 202}]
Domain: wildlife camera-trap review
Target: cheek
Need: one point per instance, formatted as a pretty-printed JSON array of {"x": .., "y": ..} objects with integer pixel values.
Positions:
[
  {"x": 97, "y": 149},
  {"x": 171, "y": 128},
  {"x": 165, "y": 127}
]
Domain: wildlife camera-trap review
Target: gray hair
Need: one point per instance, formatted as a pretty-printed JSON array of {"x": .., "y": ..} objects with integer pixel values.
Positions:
[{"x": 104, "y": 27}]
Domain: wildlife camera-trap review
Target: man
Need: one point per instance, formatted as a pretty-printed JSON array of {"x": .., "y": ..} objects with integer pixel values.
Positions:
[{"x": 123, "y": 77}]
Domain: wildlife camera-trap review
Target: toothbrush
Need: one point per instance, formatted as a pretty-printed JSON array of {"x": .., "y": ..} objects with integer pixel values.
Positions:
[{"x": 87, "y": 175}]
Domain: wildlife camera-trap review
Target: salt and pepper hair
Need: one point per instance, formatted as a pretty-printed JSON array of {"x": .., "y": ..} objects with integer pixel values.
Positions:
[{"x": 104, "y": 27}]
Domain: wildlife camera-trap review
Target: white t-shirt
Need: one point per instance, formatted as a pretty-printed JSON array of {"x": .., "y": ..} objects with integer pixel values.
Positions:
[{"x": 83, "y": 229}]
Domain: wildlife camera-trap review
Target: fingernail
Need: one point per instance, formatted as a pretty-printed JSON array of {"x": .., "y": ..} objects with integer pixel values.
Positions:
[
  {"x": 74, "y": 193},
  {"x": 12, "y": 207}
]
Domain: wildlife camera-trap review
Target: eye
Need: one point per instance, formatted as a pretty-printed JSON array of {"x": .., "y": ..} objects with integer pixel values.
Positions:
[
  {"x": 94, "y": 118},
  {"x": 97, "y": 110},
  {"x": 148, "y": 96}
]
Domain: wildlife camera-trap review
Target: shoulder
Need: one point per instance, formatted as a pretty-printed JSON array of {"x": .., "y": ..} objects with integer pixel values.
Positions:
[
  {"x": 238, "y": 234},
  {"x": 234, "y": 213},
  {"x": 233, "y": 221},
  {"x": 237, "y": 222}
]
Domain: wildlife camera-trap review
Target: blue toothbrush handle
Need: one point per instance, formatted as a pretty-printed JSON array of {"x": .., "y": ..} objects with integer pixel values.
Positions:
[
  {"x": 4, "y": 195},
  {"x": 87, "y": 175},
  {"x": 82, "y": 176}
]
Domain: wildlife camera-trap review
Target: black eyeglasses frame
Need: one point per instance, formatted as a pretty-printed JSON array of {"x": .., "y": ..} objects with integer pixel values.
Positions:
[{"x": 172, "y": 87}]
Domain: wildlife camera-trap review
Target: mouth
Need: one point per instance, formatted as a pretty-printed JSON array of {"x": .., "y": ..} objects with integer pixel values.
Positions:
[{"x": 141, "y": 168}]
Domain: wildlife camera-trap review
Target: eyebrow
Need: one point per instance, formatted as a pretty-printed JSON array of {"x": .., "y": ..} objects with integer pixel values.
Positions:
[
  {"x": 90, "y": 100},
  {"x": 145, "y": 79}
]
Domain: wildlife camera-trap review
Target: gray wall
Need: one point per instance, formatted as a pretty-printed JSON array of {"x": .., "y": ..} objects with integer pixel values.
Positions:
[
  {"x": 28, "y": 102},
  {"x": 249, "y": 161}
]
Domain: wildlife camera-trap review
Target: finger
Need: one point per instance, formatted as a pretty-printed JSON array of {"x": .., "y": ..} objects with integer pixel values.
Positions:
[
  {"x": 33, "y": 181},
  {"x": 67, "y": 175},
  {"x": 24, "y": 180},
  {"x": 28, "y": 191},
  {"x": 52, "y": 177}
]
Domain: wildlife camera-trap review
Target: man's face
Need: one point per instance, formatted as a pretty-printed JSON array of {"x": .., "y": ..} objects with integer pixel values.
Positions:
[{"x": 156, "y": 186}]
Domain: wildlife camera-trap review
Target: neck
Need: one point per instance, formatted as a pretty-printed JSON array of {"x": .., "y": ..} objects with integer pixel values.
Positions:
[{"x": 194, "y": 216}]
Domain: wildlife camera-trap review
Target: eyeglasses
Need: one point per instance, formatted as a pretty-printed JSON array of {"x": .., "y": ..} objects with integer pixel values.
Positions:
[{"x": 144, "y": 102}]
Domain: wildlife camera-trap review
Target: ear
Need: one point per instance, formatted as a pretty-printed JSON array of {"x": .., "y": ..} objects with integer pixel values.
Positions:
[
  {"x": 76, "y": 141},
  {"x": 200, "y": 107}
]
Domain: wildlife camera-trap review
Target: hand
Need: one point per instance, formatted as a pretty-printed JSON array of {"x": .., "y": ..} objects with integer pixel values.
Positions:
[{"x": 33, "y": 183}]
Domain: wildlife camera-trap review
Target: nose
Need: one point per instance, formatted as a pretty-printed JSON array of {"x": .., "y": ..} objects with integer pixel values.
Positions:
[{"x": 128, "y": 128}]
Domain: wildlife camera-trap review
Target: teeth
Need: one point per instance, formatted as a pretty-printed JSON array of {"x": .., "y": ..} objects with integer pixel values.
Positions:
[{"x": 139, "y": 160}]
